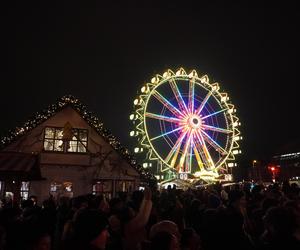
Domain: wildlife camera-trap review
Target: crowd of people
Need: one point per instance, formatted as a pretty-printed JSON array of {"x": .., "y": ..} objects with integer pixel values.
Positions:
[{"x": 241, "y": 216}]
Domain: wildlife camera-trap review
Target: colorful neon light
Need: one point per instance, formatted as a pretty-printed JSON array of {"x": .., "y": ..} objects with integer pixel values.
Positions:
[{"x": 199, "y": 143}]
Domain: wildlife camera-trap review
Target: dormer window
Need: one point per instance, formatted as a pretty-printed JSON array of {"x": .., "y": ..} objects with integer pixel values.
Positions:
[{"x": 54, "y": 140}]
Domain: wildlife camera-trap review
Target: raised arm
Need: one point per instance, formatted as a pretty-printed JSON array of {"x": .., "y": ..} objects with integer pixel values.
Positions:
[{"x": 141, "y": 219}]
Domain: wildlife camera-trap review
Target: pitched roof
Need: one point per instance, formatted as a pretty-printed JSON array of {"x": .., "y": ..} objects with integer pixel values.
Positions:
[{"x": 89, "y": 117}]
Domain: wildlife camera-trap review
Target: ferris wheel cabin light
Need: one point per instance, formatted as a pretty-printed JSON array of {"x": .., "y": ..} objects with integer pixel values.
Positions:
[{"x": 186, "y": 125}]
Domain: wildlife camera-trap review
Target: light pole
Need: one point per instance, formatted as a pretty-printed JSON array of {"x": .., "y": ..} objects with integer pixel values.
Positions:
[
  {"x": 253, "y": 169},
  {"x": 256, "y": 165}
]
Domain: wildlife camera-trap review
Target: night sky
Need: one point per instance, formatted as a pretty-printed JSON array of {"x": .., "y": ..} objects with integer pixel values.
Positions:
[{"x": 102, "y": 54}]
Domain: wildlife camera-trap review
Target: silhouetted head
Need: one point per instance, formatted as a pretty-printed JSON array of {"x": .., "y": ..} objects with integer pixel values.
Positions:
[
  {"x": 89, "y": 224},
  {"x": 165, "y": 226},
  {"x": 279, "y": 222},
  {"x": 164, "y": 241},
  {"x": 236, "y": 197}
]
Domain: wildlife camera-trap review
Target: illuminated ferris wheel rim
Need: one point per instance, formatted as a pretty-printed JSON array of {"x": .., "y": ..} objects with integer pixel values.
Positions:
[
  {"x": 183, "y": 77},
  {"x": 192, "y": 120}
]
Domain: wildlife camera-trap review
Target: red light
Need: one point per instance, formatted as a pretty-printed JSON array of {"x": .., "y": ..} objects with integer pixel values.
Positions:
[{"x": 272, "y": 168}]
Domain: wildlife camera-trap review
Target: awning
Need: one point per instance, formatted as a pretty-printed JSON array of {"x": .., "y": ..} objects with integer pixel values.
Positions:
[{"x": 19, "y": 165}]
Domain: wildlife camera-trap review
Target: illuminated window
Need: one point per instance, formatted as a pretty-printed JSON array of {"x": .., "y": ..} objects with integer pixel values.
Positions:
[
  {"x": 58, "y": 189},
  {"x": 54, "y": 187},
  {"x": 103, "y": 187},
  {"x": 53, "y": 140},
  {"x": 24, "y": 191},
  {"x": 124, "y": 186},
  {"x": 97, "y": 188},
  {"x": 79, "y": 141},
  {"x": 68, "y": 186}
]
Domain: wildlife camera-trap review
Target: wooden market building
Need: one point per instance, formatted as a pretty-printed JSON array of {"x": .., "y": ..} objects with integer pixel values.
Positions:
[{"x": 66, "y": 151}]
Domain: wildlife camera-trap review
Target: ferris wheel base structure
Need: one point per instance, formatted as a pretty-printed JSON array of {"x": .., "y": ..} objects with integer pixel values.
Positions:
[{"x": 186, "y": 129}]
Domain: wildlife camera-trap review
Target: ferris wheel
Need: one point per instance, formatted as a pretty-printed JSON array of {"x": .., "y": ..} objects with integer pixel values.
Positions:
[{"x": 186, "y": 125}]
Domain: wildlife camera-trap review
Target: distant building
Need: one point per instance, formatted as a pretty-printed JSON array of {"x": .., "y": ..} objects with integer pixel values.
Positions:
[
  {"x": 258, "y": 171},
  {"x": 65, "y": 151},
  {"x": 287, "y": 165},
  {"x": 280, "y": 167}
]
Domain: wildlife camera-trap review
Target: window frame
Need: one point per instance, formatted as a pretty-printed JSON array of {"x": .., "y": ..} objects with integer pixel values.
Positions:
[
  {"x": 24, "y": 191},
  {"x": 78, "y": 142}
]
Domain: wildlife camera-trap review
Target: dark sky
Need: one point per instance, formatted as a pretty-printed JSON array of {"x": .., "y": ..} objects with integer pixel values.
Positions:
[{"x": 102, "y": 54}]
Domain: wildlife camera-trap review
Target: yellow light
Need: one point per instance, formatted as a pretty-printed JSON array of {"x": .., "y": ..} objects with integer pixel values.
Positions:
[
  {"x": 178, "y": 72},
  {"x": 193, "y": 74},
  {"x": 173, "y": 162},
  {"x": 137, "y": 101},
  {"x": 165, "y": 74},
  {"x": 224, "y": 99},
  {"x": 204, "y": 79},
  {"x": 155, "y": 79},
  {"x": 207, "y": 175},
  {"x": 215, "y": 86},
  {"x": 181, "y": 161},
  {"x": 145, "y": 89}
]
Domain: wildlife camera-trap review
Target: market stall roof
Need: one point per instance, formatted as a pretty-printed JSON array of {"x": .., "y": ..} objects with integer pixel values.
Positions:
[{"x": 19, "y": 166}]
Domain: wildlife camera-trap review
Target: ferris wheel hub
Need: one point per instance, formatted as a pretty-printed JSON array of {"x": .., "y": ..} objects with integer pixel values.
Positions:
[{"x": 194, "y": 122}]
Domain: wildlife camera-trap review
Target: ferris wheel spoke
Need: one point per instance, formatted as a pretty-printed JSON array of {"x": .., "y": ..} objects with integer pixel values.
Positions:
[
  {"x": 198, "y": 158},
  {"x": 167, "y": 133},
  {"x": 204, "y": 157},
  {"x": 202, "y": 105},
  {"x": 207, "y": 155},
  {"x": 167, "y": 104},
  {"x": 191, "y": 96},
  {"x": 215, "y": 113},
  {"x": 214, "y": 144},
  {"x": 212, "y": 128},
  {"x": 185, "y": 150},
  {"x": 188, "y": 167},
  {"x": 173, "y": 162},
  {"x": 178, "y": 95},
  {"x": 175, "y": 149},
  {"x": 162, "y": 117}
]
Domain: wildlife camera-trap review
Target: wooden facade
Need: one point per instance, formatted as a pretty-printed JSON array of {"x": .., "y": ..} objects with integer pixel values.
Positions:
[{"x": 67, "y": 164}]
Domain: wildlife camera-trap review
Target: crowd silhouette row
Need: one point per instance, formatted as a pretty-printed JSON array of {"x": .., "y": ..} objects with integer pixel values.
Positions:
[{"x": 242, "y": 216}]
